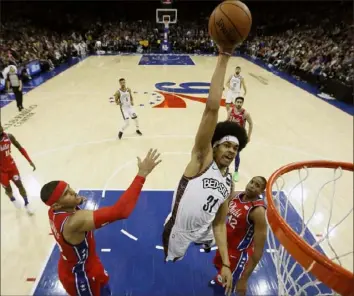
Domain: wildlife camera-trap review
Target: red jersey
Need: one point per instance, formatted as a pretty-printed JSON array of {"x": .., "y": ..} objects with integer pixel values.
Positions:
[
  {"x": 238, "y": 116},
  {"x": 240, "y": 230},
  {"x": 76, "y": 261},
  {"x": 6, "y": 160}
]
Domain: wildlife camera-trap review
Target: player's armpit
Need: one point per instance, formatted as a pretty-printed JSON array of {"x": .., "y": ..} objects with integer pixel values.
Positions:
[{"x": 81, "y": 221}]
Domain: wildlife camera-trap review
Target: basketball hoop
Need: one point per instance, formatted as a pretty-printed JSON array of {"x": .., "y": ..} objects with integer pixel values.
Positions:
[{"x": 290, "y": 247}]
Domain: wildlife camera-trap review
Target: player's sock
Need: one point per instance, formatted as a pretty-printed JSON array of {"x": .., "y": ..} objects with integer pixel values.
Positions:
[
  {"x": 236, "y": 176},
  {"x": 126, "y": 124},
  {"x": 137, "y": 127},
  {"x": 16, "y": 202},
  {"x": 25, "y": 200},
  {"x": 136, "y": 123}
]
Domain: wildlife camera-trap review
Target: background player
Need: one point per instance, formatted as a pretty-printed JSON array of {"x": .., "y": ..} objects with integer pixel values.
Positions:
[
  {"x": 200, "y": 203},
  {"x": 9, "y": 171},
  {"x": 240, "y": 116},
  {"x": 80, "y": 269},
  {"x": 246, "y": 234},
  {"x": 124, "y": 99},
  {"x": 234, "y": 85}
]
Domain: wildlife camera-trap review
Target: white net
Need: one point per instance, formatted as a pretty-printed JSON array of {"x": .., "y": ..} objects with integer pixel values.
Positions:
[{"x": 317, "y": 203}]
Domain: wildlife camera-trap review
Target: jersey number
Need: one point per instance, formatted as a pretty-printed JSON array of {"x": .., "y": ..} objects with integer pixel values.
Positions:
[
  {"x": 7, "y": 153},
  {"x": 232, "y": 221},
  {"x": 211, "y": 202}
]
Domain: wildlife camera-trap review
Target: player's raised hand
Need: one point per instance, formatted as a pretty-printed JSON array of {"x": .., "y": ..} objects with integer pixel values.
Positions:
[{"x": 149, "y": 163}]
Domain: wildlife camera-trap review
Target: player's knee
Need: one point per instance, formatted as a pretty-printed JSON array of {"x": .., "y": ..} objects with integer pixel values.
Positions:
[{"x": 8, "y": 190}]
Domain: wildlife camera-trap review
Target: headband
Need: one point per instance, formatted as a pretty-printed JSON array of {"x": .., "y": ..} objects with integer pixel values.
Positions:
[
  {"x": 231, "y": 139},
  {"x": 57, "y": 193}
]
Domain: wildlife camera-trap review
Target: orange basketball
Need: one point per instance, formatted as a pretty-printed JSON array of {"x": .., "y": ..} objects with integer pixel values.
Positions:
[{"x": 230, "y": 23}]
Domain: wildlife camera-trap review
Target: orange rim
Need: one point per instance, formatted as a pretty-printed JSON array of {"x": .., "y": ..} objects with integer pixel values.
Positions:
[{"x": 328, "y": 272}]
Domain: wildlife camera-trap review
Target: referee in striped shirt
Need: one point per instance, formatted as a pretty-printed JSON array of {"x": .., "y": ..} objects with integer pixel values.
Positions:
[{"x": 14, "y": 81}]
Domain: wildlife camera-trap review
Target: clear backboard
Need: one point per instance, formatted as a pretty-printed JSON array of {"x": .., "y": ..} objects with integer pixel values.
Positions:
[{"x": 166, "y": 15}]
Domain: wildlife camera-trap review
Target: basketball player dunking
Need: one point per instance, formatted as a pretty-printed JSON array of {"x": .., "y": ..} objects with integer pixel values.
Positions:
[
  {"x": 240, "y": 116},
  {"x": 124, "y": 99},
  {"x": 246, "y": 235},
  {"x": 200, "y": 203},
  {"x": 234, "y": 85},
  {"x": 79, "y": 268},
  {"x": 9, "y": 171}
]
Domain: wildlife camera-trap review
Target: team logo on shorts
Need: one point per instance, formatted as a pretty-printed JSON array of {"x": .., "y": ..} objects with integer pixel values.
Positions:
[{"x": 16, "y": 177}]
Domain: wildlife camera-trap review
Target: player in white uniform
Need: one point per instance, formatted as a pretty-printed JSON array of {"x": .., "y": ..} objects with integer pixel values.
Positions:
[
  {"x": 200, "y": 203},
  {"x": 124, "y": 99},
  {"x": 234, "y": 85}
]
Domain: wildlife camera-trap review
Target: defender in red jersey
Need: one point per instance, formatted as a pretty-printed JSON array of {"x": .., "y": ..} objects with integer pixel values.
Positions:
[
  {"x": 9, "y": 171},
  {"x": 240, "y": 116},
  {"x": 80, "y": 269},
  {"x": 246, "y": 234}
]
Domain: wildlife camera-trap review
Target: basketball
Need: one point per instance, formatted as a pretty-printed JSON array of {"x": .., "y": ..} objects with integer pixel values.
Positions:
[{"x": 230, "y": 23}]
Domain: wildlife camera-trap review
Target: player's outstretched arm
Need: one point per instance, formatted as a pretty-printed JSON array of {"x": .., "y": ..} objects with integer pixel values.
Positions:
[
  {"x": 86, "y": 220},
  {"x": 202, "y": 150},
  {"x": 21, "y": 149},
  {"x": 260, "y": 235}
]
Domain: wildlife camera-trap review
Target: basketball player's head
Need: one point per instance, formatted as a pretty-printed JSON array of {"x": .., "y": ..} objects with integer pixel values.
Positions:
[
  {"x": 229, "y": 138},
  {"x": 238, "y": 70},
  {"x": 239, "y": 102},
  {"x": 122, "y": 82},
  {"x": 59, "y": 195},
  {"x": 256, "y": 186}
]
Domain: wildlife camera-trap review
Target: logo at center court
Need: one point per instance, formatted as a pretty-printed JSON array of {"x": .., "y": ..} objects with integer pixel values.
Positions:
[{"x": 176, "y": 96}]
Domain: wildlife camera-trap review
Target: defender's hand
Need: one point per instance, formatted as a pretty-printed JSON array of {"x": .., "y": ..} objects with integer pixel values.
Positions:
[{"x": 149, "y": 163}]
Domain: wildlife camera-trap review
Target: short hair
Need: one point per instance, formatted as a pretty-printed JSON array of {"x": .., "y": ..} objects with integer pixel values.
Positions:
[
  {"x": 264, "y": 180},
  {"x": 229, "y": 128},
  {"x": 47, "y": 190},
  {"x": 240, "y": 98},
  {"x": 238, "y": 67},
  {"x": 120, "y": 80}
]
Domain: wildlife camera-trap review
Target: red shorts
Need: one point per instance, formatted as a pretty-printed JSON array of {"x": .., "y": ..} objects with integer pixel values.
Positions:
[
  {"x": 92, "y": 283},
  {"x": 9, "y": 174},
  {"x": 238, "y": 262}
]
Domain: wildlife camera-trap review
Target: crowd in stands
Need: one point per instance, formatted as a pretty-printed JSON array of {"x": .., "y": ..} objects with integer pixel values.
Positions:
[{"x": 320, "y": 44}]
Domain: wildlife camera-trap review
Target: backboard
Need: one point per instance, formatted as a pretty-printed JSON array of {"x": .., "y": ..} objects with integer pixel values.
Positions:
[{"x": 164, "y": 15}]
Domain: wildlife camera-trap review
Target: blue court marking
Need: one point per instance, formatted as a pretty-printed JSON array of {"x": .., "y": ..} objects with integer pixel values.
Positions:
[
  {"x": 166, "y": 59},
  {"x": 137, "y": 268}
]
